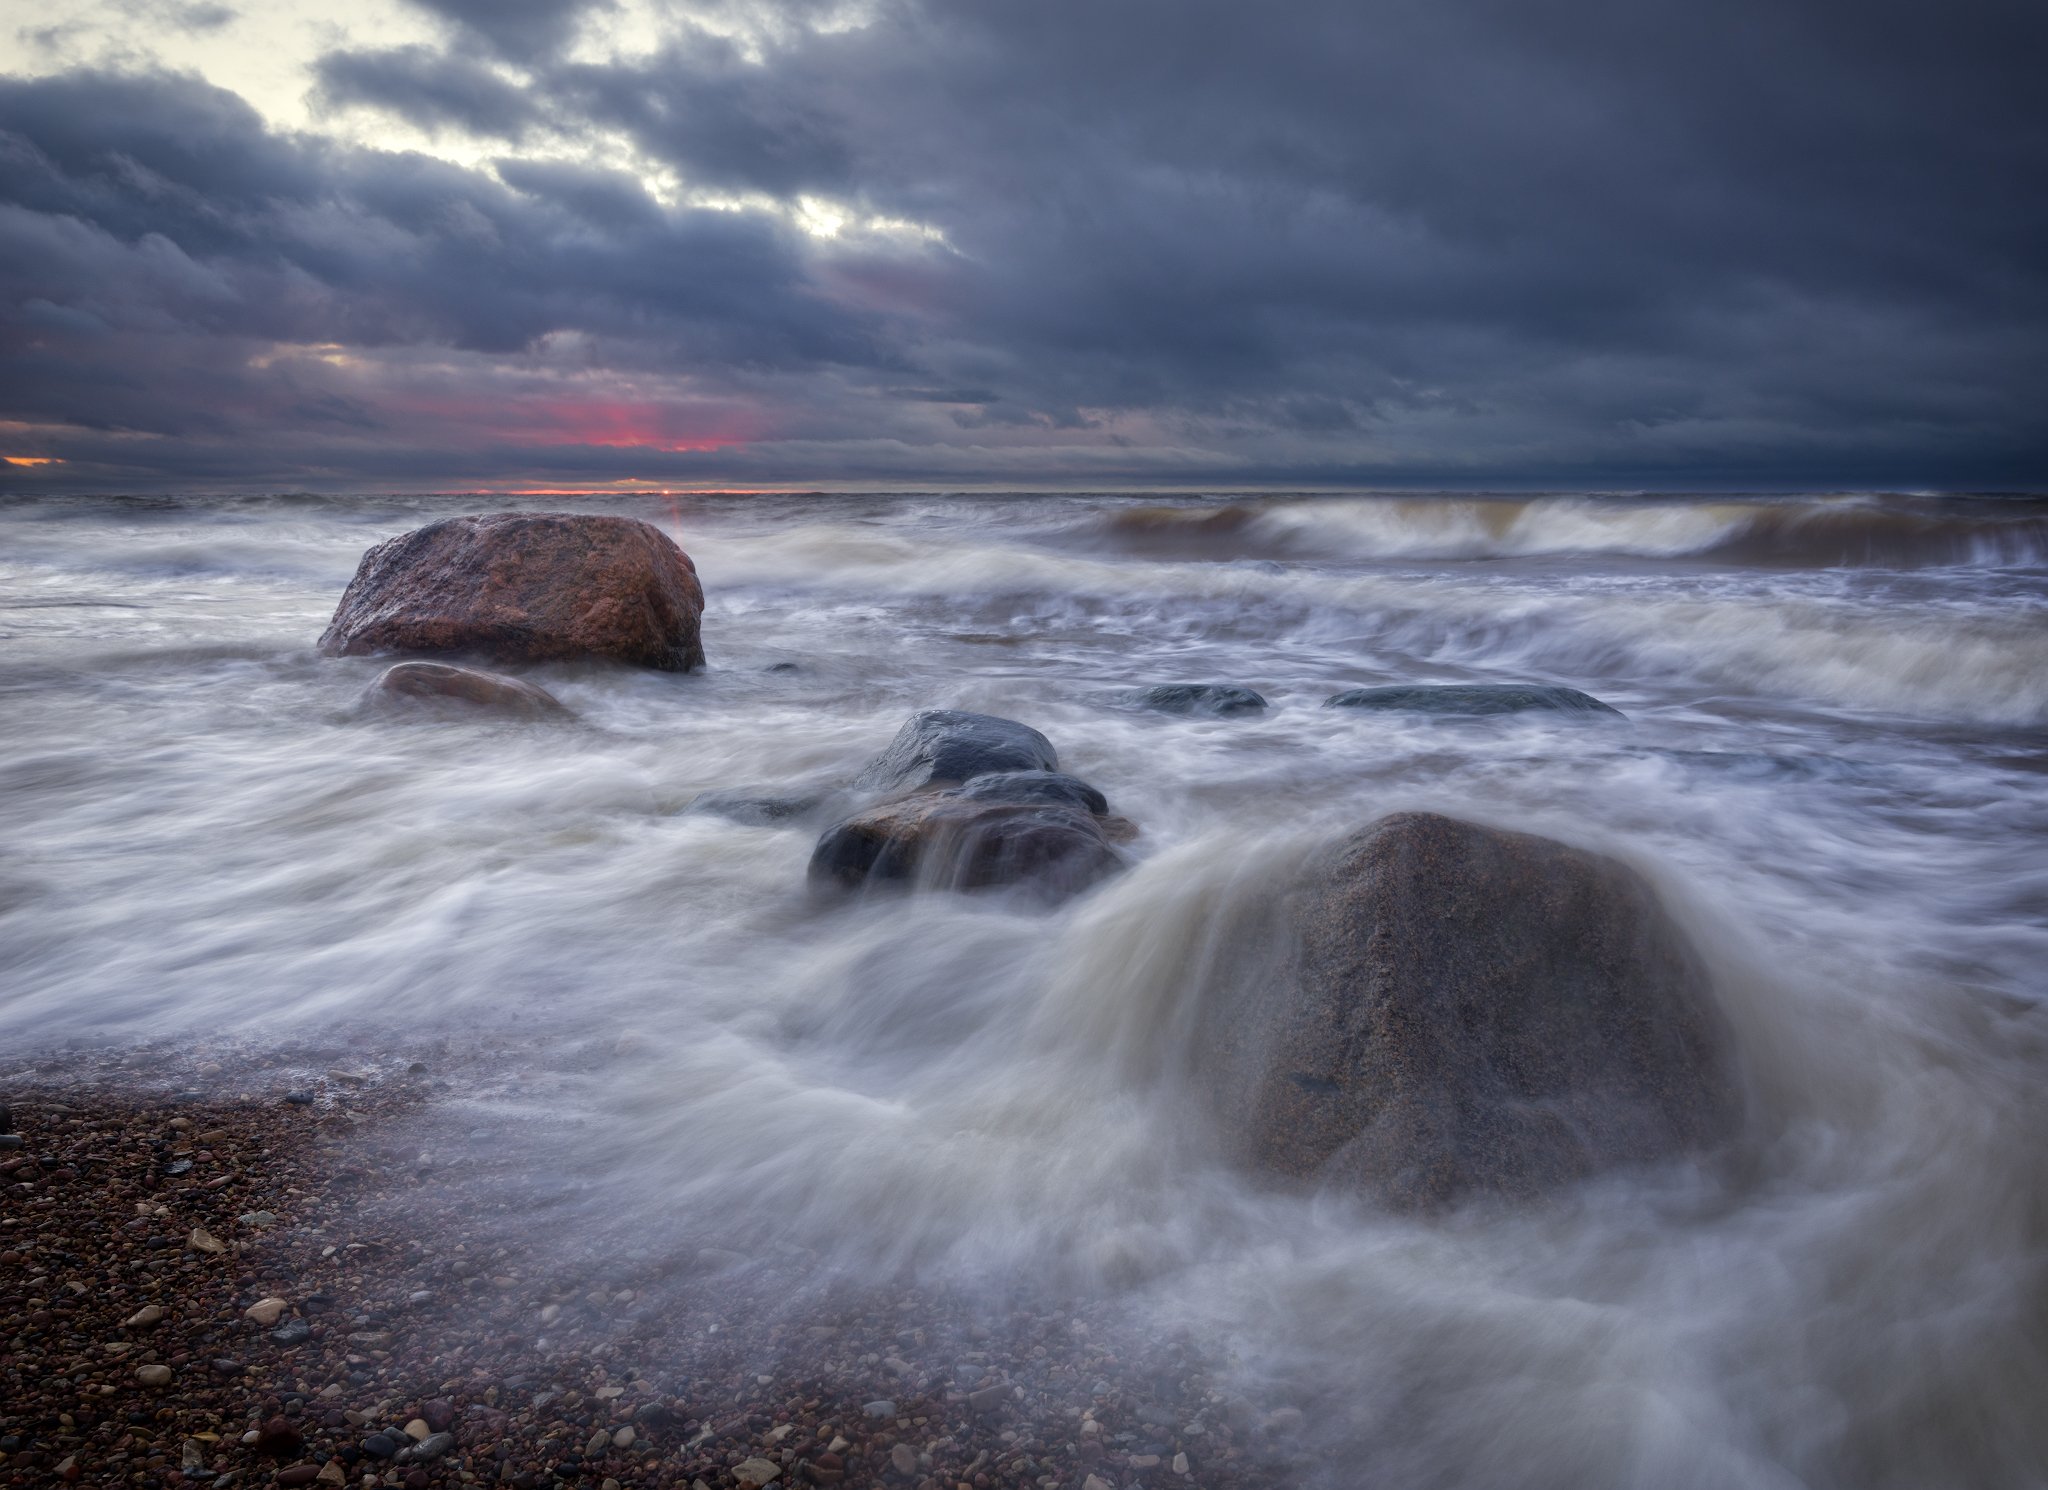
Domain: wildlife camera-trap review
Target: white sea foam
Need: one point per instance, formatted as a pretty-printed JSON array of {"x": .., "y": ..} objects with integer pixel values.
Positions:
[
  {"x": 1773, "y": 636},
  {"x": 1461, "y": 529}
]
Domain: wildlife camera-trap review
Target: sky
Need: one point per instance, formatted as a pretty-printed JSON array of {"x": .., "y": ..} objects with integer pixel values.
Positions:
[{"x": 596, "y": 244}]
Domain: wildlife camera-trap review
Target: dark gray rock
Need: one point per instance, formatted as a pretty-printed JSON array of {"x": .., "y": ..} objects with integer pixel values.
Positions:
[
  {"x": 1222, "y": 699},
  {"x": 1047, "y": 788},
  {"x": 946, "y": 841},
  {"x": 760, "y": 806},
  {"x": 1471, "y": 1011},
  {"x": 944, "y": 747},
  {"x": 1471, "y": 700},
  {"x": 443, "y": 689}
]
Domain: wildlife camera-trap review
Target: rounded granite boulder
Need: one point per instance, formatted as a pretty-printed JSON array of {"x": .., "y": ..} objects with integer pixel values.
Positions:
[
  {"x": 1470, "y": 1011},
  {"x": 526, "y": 587}
]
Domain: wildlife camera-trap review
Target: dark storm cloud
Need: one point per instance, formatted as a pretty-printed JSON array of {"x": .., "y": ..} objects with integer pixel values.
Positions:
[
  {"x": 162, "y": 202},
  {"x": 726, "y": 121},
  {"x": 1472, "y": 241},
  {"x": 157, "y": 245},
  {"x": 429, "y": 88},
  {"x": 520, "y": 29}
]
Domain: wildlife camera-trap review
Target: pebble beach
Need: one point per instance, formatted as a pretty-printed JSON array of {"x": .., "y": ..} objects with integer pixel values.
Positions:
[{"x": 254, "y": 1276}]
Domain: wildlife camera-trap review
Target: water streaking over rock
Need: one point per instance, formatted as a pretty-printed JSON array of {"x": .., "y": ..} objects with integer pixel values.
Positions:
[{"x": 1832, "y": 777}]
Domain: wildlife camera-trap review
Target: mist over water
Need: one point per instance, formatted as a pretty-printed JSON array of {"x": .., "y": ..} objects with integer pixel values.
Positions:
[{"x": 1835, "y": 770}]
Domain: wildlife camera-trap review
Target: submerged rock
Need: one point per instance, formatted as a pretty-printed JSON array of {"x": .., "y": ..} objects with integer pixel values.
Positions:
[
  {"x": 758, "y": 806},
  {"x": 1222, "y": 699},
  {"x": 949, "y": 840},
  {"x": 1472, "y": 1011},
  {"x": 1470, "y": 700},
  {"x": 442, "y": 687},
  {"x": 944, "y": 747},
  {"x": 528, "y": 588}
]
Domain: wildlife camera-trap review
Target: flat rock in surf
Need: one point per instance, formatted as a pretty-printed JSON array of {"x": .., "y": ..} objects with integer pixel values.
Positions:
[
  {"x": 950, "y": 840},
  {"x": 944, "y": 747},
  {"x": 1472, "y": 1011},
  {"x": 1219, "y": 699},
  {"x": 441, "y": 689},
  {"x": 526, "y": 587},
  {"x": 1471, "y": 700},
  {"x": 761, "y": 806}
]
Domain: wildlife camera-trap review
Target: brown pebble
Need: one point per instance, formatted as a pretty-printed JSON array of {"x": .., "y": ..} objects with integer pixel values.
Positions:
[{"x": 280, "y": 1438}]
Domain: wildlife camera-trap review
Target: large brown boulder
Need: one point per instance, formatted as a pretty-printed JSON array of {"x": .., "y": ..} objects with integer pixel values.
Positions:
[
  {"x": 526, "y": 587},
  {"x": 1469, "y": 1011}
]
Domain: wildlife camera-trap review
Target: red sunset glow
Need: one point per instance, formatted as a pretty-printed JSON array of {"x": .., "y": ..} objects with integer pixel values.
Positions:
[
  {"x": 608, "y": 423},
  {"x": 630, "y": 425}
]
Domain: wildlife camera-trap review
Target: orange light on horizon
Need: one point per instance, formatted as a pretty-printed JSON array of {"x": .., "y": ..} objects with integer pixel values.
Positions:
[
  {"x": 614, "y": 424},
  {"x": 639, "y": 487},
  {"x": 32, "y": 460},
  {"x": 617, "y": 425},
  {"x": 598, "y": 423}
]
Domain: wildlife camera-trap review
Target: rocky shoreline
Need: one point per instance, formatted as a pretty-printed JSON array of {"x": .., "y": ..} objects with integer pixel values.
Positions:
[
  {"x": 268, "y": 1278},
  {"x": 264, "y": 1269}
]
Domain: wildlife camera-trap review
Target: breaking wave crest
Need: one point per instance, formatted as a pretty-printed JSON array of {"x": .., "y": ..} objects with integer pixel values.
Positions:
[{"x": 1857, "y": 532}]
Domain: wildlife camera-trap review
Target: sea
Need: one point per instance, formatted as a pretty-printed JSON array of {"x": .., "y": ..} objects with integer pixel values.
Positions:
[{"x": 1834, "y": 769}]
